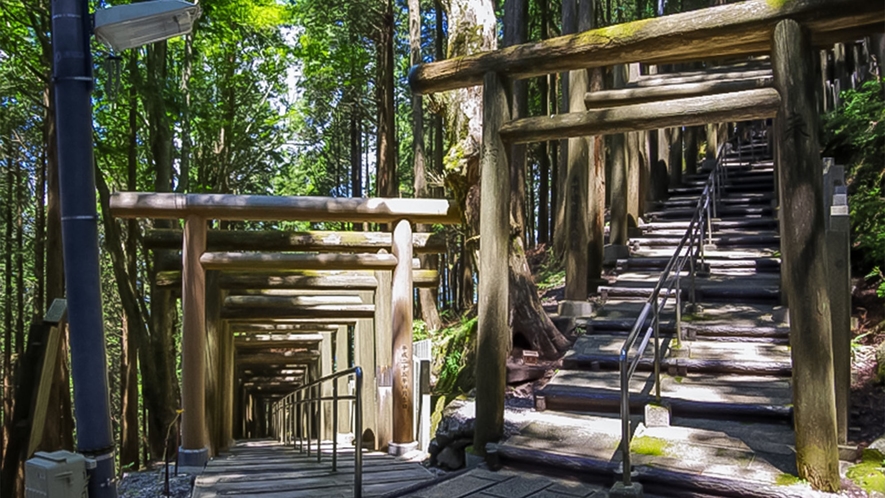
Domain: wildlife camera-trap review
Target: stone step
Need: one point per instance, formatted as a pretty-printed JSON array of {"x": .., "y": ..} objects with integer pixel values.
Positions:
[
  {"x": 691, "y": 201},
  {"x": 769, "y": 222},
  {"x": 595, "y": 352},
  {"x": 761, "y": 265},
  {"x": 722, "y": 212},
  {"x": 759, "y": 186},
  {"x": 693, "y": 331},
  {"x": 751, "y": 293},
  {"x": 694, "y": 395},
  {"x": 719, "y": 240}
]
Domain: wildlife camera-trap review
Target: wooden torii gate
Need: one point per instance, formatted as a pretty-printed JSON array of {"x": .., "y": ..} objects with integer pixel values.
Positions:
[
  {"x": 197, "y": 209},
  {"x": 786, "y": 29}
]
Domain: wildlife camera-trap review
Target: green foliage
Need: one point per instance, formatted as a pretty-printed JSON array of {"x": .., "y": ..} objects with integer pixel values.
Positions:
[
  {"x": 855, "y": 135},
  {"x": 788, "y": 480},
  {"x": 551, "y": 273}
]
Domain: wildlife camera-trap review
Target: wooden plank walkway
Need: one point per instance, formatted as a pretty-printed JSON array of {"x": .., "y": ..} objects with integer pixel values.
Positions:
[{"x": 268, "y": 469}]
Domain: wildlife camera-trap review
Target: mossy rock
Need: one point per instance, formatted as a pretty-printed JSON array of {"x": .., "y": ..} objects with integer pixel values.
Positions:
[
  {"x": 787, "y": 480},
  {"x": 869, "y": 474}
]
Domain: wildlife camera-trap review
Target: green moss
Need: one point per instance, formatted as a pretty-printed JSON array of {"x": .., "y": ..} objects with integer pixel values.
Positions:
[
  {"x": 787, "y": 480},
  {"x": 679, "y": 379},
  {"x": 606, "y": 35},
  {"x": 869, "y": 474},
  {"x": 777, "y": 4},
  {"x": 647, "y": 445}
]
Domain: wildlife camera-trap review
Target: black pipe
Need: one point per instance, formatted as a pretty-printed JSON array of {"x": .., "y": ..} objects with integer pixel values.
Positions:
[{"x": 72, "y": 81}]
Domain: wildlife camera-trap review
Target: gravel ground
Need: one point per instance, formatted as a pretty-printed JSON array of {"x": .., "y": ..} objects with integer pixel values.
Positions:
[{"x": 150, "y": 484}]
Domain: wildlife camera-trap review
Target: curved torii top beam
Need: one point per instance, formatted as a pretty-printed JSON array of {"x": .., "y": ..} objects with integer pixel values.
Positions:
[{"x": 735, "y": 29}]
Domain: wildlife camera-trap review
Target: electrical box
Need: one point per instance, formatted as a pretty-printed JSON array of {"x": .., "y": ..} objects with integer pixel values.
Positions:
[{"x": 60, "y": 474}]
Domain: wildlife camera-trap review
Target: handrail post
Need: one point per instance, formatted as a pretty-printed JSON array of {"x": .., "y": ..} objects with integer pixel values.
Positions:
[
  {"x": 300, "y": 399},
  {"x": 679, "y": 308},
  {"x": 656, "y": 324},
  {"x": 309, "y": 404},
  {"x": 319, "y": 412},
  {"x": 358, "y": 436},
  {"x": 625, "y": 421},
  {"x": 335, "y": 426}
]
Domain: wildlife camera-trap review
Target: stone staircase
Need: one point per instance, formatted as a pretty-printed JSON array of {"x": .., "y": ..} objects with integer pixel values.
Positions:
[{"x": 728, "y": 385}]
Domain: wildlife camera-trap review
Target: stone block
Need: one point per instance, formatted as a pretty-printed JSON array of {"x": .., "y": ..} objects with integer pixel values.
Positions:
[
  {"x": 193, "y": 458},
  {"x": 613, "y": 252},
  {"x": 634, "y": 490},
  {"x": 781, "y": 314},
  {"x": 657, "y": 415},
  {"x": 400, "y": 449},
  {"x": 575, "y": 308}
]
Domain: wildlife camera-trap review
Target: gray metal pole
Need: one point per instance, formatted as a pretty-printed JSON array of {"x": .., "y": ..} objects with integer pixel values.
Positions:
[{"x": 72, "y": 81}]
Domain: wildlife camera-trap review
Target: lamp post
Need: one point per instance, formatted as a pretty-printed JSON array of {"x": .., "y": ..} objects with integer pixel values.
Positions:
[{"x": 72, "y": 82}]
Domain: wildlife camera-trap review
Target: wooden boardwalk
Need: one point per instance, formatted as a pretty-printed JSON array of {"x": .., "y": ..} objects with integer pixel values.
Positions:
[{"x": 268, "y": 469}]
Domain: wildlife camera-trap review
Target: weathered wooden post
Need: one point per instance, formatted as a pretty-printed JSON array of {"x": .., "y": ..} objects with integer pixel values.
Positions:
[
  {"x": 839, "y": 278},
  {"x": 403, "y": 374},
  {"x": 493, "y": 337},
  {"x": 229, "y": 384},
  {"x": 635, "y": 190},
  {"x": 194, "y": 451},
  {"x": 214, "y": 354},
  {"x": 383, "y": 360},
  {"x": 804, "y": 243},
  {"x": 580, "y": 202},
  {"x": 618, "y": 233}
]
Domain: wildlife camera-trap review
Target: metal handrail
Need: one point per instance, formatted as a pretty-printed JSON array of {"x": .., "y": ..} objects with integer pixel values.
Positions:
[
  {"x": 689, "y": 250},
  {"x": 288, "y": 419}
]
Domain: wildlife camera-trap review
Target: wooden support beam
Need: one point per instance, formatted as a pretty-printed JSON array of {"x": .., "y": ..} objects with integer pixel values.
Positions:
[
  {"x": 295, "y": 261},
  {"x": 630, "y": 96},
  {"x": 383, "y": 352},
  {"x": 307, "y": 280},
  {"x": 285, "y": 358},
  {"x": 736, "y": 106},
  {"x": 742, "y": 28},
  {"x": 342, "y": 311},
  {"x": 287, "y": 301},
  {"x": 215, "y": 355},
  {"x": 280, "y": 208},
  {"x": 493, "y": 336},
  {"x": 283, "y": 240},
  {"x": 193, "y": 343},
  {"x": 265, "y": 341},
  {"x": 800, "y": 173},
  {"x": 675, "y": 80},
  {"x": 291, "y": 328}
]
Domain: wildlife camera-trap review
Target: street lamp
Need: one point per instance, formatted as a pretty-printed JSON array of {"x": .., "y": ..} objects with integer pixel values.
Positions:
[{"x": 123, "y": 26}]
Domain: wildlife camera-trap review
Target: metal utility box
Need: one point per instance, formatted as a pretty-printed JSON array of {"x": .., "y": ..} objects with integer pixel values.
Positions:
[{"x": 60, "y": 474}]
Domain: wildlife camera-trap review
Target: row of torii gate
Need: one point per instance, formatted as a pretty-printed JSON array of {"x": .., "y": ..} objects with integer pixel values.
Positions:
[{"x": 784, "y": 29}]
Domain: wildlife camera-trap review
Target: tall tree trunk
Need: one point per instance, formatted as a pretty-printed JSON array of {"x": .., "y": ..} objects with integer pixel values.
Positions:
[
  {"x": 561, "y": 169},
  {"x": 427, "y": 298},
  {"x": 386, "y": 172},
  {"x": 529, "y": 323},
  {"x": 20, "y": 188},
  {"x": 40, "y": 225},
  {"x": 129, "y": 441},
  {"x": 158, "y": 354},
  {"x": 543, "y": 147},
  {"x": 515, "y": 32},
  {"x": 7, "y": 305}
]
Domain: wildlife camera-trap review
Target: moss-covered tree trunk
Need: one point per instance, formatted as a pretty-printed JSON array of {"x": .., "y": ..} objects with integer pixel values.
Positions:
[{"x": 472, "y": 30}]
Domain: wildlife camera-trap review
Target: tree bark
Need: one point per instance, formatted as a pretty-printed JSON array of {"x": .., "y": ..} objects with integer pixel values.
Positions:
[
  {"x": 387, "y": 176},
  {"x": 427, "y": 298},
  {"x": 515, "y": 27},
  {"x": 618, "y": 223},
  {"x": 162, "y": 395},
  {"x": 800, "y": 174}
]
